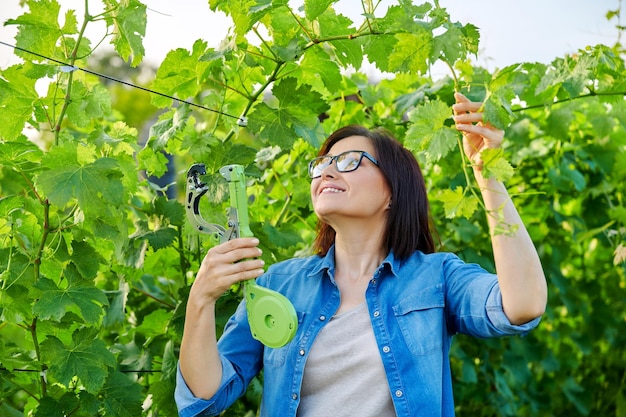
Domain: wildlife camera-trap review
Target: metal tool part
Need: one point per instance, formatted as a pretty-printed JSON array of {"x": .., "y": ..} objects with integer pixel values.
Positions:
[{"x": 272, "y": 317}]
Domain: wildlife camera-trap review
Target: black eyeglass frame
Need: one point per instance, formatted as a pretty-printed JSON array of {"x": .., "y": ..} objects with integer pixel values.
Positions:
[{"x": 335, "y": 158}]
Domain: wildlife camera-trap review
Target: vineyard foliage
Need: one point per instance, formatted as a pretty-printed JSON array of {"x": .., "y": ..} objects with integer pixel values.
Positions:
[{"x": 97, "y": 256}]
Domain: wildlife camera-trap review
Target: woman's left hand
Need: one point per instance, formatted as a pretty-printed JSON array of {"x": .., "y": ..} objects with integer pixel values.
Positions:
[{"x": 477, "y": 135}]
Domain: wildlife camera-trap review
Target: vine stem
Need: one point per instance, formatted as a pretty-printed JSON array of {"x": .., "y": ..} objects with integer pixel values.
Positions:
[
  {"x": 283, "y": 211},
  {"x": 44, "y": 238},
  {"x": 72, "y": 60},
  {"x": 184, "y": 263},
  {"x": 273, "y": 77},
  {"x": 42, "y": 377},
  {"x": 565, "y": 100}
]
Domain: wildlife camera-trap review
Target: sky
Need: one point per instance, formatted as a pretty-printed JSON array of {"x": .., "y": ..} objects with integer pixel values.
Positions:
[{"x": 512, "y": 31}]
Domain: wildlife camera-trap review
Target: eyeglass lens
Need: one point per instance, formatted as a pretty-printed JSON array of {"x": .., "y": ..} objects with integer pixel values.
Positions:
[{"x": 345, "y": 162}]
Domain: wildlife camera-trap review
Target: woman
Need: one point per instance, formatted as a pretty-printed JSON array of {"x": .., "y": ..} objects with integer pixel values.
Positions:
[{"x": 377, "y": 307}]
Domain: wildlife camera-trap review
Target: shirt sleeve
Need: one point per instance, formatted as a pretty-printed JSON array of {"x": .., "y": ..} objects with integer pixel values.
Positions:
[
  {"x": 496, "y": 315},
  {"x": 474, "y": 302},
  {"x": 241, "y": 358},
  {"x": 191, "y": 406}
]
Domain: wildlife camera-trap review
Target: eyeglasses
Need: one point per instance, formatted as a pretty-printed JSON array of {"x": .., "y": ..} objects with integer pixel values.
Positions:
[{"x": 344, "y": 162}]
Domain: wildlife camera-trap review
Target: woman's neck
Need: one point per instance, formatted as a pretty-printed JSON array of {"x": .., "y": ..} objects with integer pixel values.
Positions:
[{"x": 356, "y": 258}]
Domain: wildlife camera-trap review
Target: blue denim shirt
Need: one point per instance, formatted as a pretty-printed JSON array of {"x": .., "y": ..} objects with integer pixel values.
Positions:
[{"x": 416, "y": 305}]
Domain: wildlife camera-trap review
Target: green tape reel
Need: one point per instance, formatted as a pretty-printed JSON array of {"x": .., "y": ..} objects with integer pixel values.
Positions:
[{"x": 272, "y": 317}]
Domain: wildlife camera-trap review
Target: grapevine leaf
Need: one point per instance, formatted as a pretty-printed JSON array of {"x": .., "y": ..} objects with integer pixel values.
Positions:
[
  {"x": 246, "y": 13},
  {"x": 448, "y": 45},
  {"x": 312, "y": 9},
  {"x": 495, "y": 165},
  {"x": 39, "y": 29},
  {"x": 172, "y": 210},
  {"x": 412, "y": 52},
  {"x": 85, "y": 357},
  {"x": 87, "y": 105},
  {"x": 378, "y": 49},
  {"x": 566, "y": 175},
  {"x": 86, "y": 259},
  {"x": 347, "y": 52},
  {"x": 50, "y": 407},
  {"x": 317, "y": 70},
  {"x": 153, "y": 162},
  {"x": 457, "y": 204},
  {"x": 154, "y": 324},
  {"x": 116, "y": 312},
  {"x": 497, "y": 111},
  {"x": 17, "y": 95},
  {"x": 428, "y": 131},
  {"x": 168, "y": 128},
  {"x": 121, "y": 397},
  {"x": 161, "y": 238},
  {"x": 296, "y": 115},
  {"x": 55, "y": 301},
  {"x": 90, "y": 183},
  {"x": 129, "y": 21},
  {"x": 179, "y": 74}
]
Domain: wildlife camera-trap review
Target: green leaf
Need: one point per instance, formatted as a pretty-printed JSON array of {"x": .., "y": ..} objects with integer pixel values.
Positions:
[
  {"x": 54, "y": 301},
  {"x": 129, "y": 21},
  {"x": 17, "y": 97},
  {"x": 448, "y": 45},
  {"x": 155, "y": 323},
  {"x": 319, "y": 71},
  {"x": 179, "y": 74},
  {"x": 296, "y": 115},
  {"x": 38, "y": 30},
  {"x": 87, "y": 105},
  {"x": 85, "y": 357},
  {"x": 169, "y": 128},
  {"x": 154, "y": 162},
  {"x": 86, "y": 259},
  {"x": 116, "y": 311},
  {"x": 314, "y": 8},
  {"x": 121, "y": 397},
  {"x": 457, "y": 204},
  {"x": 428, "y": 131},
  {"x": 347, "y": 52},
  {"x": 495, "y": 165},
  {"x": 411, "y": 52},
  {"x": 172, "y": 210},
  {"x": 89, "y": 183}
]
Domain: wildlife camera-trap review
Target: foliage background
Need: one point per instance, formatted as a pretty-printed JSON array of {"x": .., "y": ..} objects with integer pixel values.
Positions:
[{"x": 96, "y": 256}]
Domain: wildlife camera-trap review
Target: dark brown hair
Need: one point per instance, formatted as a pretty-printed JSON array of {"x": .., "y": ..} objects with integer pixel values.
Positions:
[{"x": 409, "y": 222}]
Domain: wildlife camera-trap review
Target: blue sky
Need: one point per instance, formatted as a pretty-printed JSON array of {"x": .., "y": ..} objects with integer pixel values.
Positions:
[{"x": 512, "y": 31}]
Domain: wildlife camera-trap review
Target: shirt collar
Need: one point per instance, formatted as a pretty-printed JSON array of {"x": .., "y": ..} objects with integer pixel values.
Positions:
[{"x": 328, "y": 263}]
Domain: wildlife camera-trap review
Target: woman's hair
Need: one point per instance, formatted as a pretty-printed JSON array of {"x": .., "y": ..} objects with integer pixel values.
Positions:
[{"x": 408, "y": 222}]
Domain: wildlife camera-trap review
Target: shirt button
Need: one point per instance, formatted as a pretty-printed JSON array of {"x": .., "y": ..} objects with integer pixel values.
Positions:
[
  {"x": 294, "y": 396},
  {"x": 374, "y": 281},
  {"x": 376, "y": 313},
  {"x": 398, "y": 393},
  {"x": 386, "y": 349},
  {"x": 322, "y": 318},
  {"x": 301, "y": 352}
]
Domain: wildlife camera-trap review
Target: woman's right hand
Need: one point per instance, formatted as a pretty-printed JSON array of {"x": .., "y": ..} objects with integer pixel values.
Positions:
[{"x": 224, "y": 265}]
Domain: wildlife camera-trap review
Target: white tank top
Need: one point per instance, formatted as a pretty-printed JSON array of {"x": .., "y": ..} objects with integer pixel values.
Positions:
[{"x": 344, "y": 374}]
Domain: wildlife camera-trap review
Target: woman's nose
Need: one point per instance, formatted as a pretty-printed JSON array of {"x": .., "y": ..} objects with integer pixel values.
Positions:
[{"x": 330, "y": 170}]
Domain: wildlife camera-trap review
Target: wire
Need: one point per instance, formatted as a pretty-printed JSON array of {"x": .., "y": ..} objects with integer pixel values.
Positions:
[{"x": 241, "y": 120}]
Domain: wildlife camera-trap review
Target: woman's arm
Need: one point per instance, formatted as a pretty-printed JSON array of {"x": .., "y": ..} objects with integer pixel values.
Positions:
[
  {"x": 520, "y": 275},
  {"x": 200, "y": 363}
]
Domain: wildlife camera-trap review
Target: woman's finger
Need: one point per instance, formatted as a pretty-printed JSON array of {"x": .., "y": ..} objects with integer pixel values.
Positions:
[
  {"x": 468, "y": 118},
  {"x": 492, "y": 135}
]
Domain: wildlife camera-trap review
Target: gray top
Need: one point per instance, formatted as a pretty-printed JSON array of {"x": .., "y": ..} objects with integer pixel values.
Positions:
[{"x": 344, "y": 374}]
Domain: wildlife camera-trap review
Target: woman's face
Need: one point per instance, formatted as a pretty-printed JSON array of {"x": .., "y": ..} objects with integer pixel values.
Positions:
[{"x": 359, "y": 194}]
